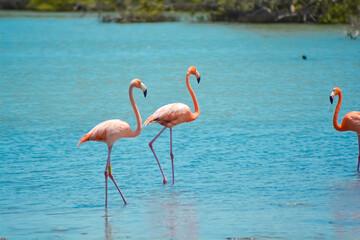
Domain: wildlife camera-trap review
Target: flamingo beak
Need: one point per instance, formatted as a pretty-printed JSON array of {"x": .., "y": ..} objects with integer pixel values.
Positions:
[
  {"x": 332, "y": 95},
  {"x": 143, "y": 88},
  {"x": 197, "y": 76}
]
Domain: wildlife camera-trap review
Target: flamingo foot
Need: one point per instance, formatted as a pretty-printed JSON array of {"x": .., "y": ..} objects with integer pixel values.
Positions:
[{"x": 165, "y": 181}]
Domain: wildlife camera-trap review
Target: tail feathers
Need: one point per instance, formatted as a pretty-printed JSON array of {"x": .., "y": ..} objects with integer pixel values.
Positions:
[{"x": 85, "y": 138}]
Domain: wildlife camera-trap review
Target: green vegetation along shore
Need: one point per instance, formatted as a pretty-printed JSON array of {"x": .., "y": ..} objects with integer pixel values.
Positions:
[{"x": 252, "y": 11}]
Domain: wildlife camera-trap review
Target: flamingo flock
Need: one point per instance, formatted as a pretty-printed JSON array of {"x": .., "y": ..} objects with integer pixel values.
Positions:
[
  {"x": 173, "y": 114},
  {"x": 170, "y": 115}
]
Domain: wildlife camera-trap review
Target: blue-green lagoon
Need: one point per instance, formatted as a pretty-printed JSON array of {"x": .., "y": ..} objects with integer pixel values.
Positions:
[{"x": 262, "y": 160}]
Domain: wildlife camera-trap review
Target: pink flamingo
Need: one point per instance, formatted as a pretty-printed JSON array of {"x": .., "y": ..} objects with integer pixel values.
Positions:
[
  {"x": 173, "y": 114},
  {"x": 351, "y": 121},
  {"x": 112, "y": 130}
]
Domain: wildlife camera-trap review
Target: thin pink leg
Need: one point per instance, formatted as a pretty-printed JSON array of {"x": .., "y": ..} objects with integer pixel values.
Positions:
[
  {"x": 151, "y": 147},
  {"x": 109, "y": 174},
  {"x": 172, "y": 156},
  {"x": 106, "y": 187},
  {"x": 112, "y": 178},
  {"x": 359, "y": 154}
]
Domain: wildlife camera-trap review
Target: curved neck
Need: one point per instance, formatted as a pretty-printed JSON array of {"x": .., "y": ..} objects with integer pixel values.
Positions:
[
  {"x": 335, "y": 123},
  {"x": 197, "y": 111},
  {"x": 137, "y": 114}
]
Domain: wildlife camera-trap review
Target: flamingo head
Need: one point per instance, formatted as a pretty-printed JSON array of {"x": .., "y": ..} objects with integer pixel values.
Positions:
[
  {"x": 192, "y": 70},
  {"x": 138, "y": 84},
  {"x": 335, "y": 91}
]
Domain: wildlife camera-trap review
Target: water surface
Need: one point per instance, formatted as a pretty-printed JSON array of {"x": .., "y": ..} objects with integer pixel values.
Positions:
[{"x": 262, "y": 160}]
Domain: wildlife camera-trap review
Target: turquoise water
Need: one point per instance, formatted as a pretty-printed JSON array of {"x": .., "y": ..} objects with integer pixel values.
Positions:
[{"x": 261, "y": 161}]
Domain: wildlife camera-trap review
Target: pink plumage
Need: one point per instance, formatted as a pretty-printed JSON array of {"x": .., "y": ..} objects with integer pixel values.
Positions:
[
  {"x": 173, "y": 114},
  {"x": 112, "y": 130},
  {"x": 108, "y": 132},
  {"x": 350, "y": 122}
]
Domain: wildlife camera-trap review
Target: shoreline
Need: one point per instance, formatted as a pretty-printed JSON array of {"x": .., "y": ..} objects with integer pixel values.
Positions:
[{"x": 116, "y": 17}]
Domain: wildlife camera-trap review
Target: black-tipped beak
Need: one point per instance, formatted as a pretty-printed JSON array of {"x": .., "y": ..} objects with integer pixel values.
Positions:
[
  {"x": 331, "y": 99},
  {"x": 145, "y": 92},
  {"x": 198, "y": 79}
]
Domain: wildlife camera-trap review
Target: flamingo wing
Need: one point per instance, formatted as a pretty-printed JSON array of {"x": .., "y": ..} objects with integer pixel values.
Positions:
[
  {"x": 170, "y": 115},
  {"x": 351, "y": 121},
  {"x": 109, "y": 132}
]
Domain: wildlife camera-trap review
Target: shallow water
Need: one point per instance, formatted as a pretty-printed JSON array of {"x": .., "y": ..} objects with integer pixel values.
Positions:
[{"x": 262, "y": 160}]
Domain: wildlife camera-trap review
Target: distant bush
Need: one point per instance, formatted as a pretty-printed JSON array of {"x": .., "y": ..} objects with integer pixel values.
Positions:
[
  {"x": 51, "y": 5},
  {"x": 330, "y": 11},
  {"x": 13, "y": 4},
  {"x": 322, "y": 11},
  {"x": 61, "y": 5}
]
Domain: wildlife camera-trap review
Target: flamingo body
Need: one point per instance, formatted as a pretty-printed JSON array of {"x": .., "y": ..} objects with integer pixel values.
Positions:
[
  {"x": 173, "y": 114},
  {"x": 350, "y": 122},
  {"x": 108, "y": 132}
]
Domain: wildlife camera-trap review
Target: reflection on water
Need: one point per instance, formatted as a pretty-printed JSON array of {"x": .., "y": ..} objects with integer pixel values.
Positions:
[
  {"x": 346, "y": 209},
  {"x": 176, "y": 216},
  {"x": 108, "y": 231}
]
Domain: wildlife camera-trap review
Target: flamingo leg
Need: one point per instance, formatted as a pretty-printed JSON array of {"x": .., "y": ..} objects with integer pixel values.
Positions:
[
  {"x": 151, "y": 147},
  {"x": 108, "y": 173},
  {"x": 106, "y": 176},
  {"x": 359, "y": 154},
  {"x": 112, "y": 178},
  {"x": 172, "y": 156}
]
